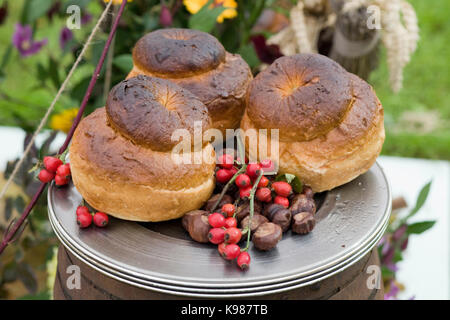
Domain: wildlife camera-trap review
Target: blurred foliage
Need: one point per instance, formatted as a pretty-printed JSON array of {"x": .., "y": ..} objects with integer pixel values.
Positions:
[
  {"x": 22, "y": 265},
  {"x": 395, "y": 241}
]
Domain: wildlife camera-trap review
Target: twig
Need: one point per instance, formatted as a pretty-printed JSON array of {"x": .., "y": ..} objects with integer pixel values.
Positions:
[
  {"x": 241, "y": 154},
  {"x": 252, "y": 208},
  {"x": 52, "y": 105},
  {"x": 8, "y": 236},
  {"x": 109, "y": 60}
]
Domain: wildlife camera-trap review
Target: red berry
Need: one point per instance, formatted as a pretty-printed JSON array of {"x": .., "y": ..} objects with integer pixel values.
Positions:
[
  {"x": 267, "y": 165},
  {"x": 221, "y": 248},
  {"x": 243, "y": 260},
  {"x": 243, "y": 180},
  {"x": 226, "y": 161},
  {"x": 264, "y": 182},
  {"x": 101, "y": 219},
  {"x": 282, "y": 188},
  {"x": 253, "y": 170},
  {"x": 46, "y": 176},
  {"x": 63, "y": 170},
  {"x": 238, "y": 159},
  {"x": 84, "y": 220},
  {"x": 61, "y": 181},
  {"x": 223, "y": 175},
  {"x": 282, "y": 200},
  {"x": 52, "y": 163},
  {"x": 228, "y": 209},
  {"x": 264, "y": 194},
  {"x": 232, "y": 235},
  {"x": 230, "y": 222},
  {"x": 245, "y": 192},
  {"x": 216, "y": 235},
  {"x": 231, "y": 251},
  {"x": 216, "y": 220},
  {"x": 82, "y": 210}
]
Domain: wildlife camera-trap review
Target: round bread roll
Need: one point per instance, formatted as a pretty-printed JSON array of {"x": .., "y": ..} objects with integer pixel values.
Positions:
[
  {"x": 330, "y": 121},
  {"x": 121, "y": 155},
  {"x": 197, "y": 61}
]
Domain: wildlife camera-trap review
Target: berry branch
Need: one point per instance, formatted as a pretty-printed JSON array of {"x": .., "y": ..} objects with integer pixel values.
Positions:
[
  {"x": 252, "y": 208},
  {"x": 240, "y": 149}
]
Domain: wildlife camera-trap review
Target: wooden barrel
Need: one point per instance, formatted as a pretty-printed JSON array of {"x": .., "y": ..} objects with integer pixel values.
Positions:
[{"x": 352, "y": 283}]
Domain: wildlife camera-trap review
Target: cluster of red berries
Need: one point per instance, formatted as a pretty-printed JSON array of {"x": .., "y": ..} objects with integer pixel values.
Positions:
[
  {"x": 54, "y": 168},
  {"x": 85, "y": 217},
  {"x": 226, "y": 235},
  {"x": 245, "y": 181}
]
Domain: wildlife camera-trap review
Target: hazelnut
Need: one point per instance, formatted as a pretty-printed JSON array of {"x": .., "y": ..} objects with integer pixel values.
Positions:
[
  {"x": 303, "y": 222},
  {"x": 199, "y": 227},
  {"x": 212, "y": 201},
  {"x": 267, "y": 236},
  {"x": 301, "y": 203},
  {"x": 243, "y": 209},
  {"x": 256, "y": 222},
  {"x": 307, "y": 191},
  {"x": 279, "y": 215},
  {"x": 189, "y": 215}
]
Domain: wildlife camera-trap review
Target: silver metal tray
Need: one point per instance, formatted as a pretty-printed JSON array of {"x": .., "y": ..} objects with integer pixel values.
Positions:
[{"x": 161, "y": 257}]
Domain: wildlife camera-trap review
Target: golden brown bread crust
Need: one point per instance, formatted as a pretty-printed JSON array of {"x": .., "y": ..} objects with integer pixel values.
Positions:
[
  {"x": 178, "y": 53},
  {"x": 293, "y": 95},
  {"x": 131, "y": 181},
  {"x": 347, "y": 149},
  {"x": 219, "y": 81},
  {"x": 148, "y": 110}
]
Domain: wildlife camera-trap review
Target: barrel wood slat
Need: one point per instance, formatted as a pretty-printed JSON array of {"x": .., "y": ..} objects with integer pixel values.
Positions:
[{"x": 348, "y": 284}]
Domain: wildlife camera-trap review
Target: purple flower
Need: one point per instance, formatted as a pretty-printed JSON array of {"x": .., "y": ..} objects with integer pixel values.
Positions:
[
  {"x": 386, "y": 246},
  {"x": 389, "y": 256},
  {"x": 393, "y": 291},
  {"x": 266, "y": 53},
  {"x": 22, "y": 39},
  {"x": 165, "y": 17},
  {"x": 65, "y": 36},
  {"x": 398, "y": 234},
  {"x": 392, "y": 266},
  {"x": 404, "y": 245},
  {"x": 54, "y": 9},
  {"x": 86, "y": 18}
]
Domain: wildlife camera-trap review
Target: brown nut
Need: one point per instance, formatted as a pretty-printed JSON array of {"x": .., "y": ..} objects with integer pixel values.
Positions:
[
  {"x": 243, "y": 209},
  {"x": 267, "y": 236},
  {"x": 198, "y": 228},
  {"x": 212, "y": 201},
  {"x": 256, "y": 222},
  {"x": 307, "y": 191},
  {"x": 301, "y": 203},
  {"x": 303, "y": 223},
  {"x": 279, "y": 215},
  {"x": 189, "y": 215}
]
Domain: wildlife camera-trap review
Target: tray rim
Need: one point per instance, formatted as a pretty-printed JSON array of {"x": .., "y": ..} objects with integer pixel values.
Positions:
[{"x": 139, "y": 279}]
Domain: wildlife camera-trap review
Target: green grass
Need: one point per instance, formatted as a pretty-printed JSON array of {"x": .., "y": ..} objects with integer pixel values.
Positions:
[{"x": 425, "y": 88}]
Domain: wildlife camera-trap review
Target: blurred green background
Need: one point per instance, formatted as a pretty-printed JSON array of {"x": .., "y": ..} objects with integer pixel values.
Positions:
[{"x": 417, "y": 118}]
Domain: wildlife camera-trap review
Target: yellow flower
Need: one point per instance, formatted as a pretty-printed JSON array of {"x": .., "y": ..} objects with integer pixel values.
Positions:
[
  {"x": 116, "y": 1},
  {"x": 63, "y": 121},
  {"x": 193, "y": 6}
]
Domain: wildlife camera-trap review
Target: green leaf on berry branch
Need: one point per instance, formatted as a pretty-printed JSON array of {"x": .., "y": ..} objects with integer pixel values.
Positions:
[{"x": 293, "y": 180}]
